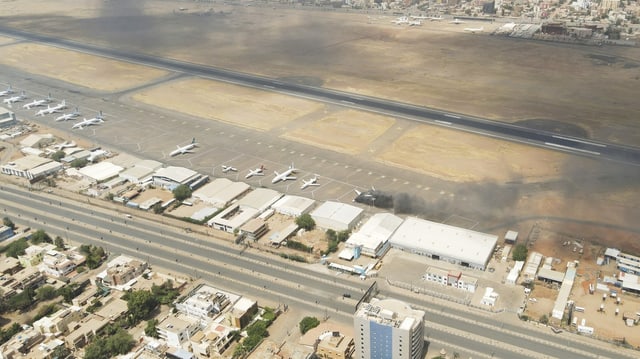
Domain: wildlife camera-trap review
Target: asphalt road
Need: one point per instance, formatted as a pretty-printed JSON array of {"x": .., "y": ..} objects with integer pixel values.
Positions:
[
  {"x": 587, "y": 147},
  {"x": 260, "y": 276}
]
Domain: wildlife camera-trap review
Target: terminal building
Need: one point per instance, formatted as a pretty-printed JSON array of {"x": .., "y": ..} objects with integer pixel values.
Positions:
[
  {"x": 31, "y": 167},
  {"x": 388, "y": 328},
  {"x": 444, "y": 242},
  {"x": 372, "y": 239}
]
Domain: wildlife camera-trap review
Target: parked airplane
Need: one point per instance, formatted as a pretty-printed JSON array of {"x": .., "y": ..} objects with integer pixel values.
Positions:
[
  {"x": 49, "y": 110},
  {"x": 419, "y": 17},
  {"x": 37, "y": 103},
  {"x": 89, "y": 122},
  {"x": 65, "y": 144},
  {"x": 68, "y": 116},
  {"x": 184, "y": 149},
  {"x": 401, "y": 20},
  {"x": 284, "y": 176},
  {"x": 226, "y": 169},
  {"x": 17, "y": 98},
  {"x": 456, "y": 21},
  {"x": 473, "y": 30},
  {"x": 6, "y": 92},
  {"x": 311, "y": 182},
  {"x": 415, "y": 23},
  {"x": 257, "y": 172},
  {"x": 436, "y": 18}
]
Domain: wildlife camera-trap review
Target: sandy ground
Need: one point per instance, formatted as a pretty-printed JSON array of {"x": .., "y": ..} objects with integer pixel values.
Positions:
[
  {"x": 77, "y": 68},
  {"x": 347, "y": 131},
  {"x": 453, "y": 155},
  {"x": 232, "y": 104}
]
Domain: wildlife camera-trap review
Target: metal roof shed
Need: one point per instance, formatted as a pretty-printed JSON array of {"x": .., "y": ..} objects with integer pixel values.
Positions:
[{"x": 337, "y": 216}]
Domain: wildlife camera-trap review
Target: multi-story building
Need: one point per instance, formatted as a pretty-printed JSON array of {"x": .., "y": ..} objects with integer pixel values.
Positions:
[
  {"x": 334, "y": 345},
  {"x": 205, "y": 303},
  {"x": 388, "y": 328},
  {"x": 57, "y": 264},
  {"x": 121, "y": 271},
  {"x": 177, "y": 330},
  {"x": 58, "y": 322}
]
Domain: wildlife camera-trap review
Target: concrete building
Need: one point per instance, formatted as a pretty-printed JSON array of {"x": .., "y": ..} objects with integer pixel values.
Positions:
[
  {"x": 514, "y": 273},
  {"x": 388, "y": 328},
  {"x": 176, "y": 330},
  {"x": 36, "y": 140},
  {"x": 213, "y": 340},
  {"x": 451, "y": 278},
  {"x": 57, "y": 264},
  {"x": 335, "y": 345},
  {"x": 9, "y": 266},
  {"x": 531, "y": 267},
  {"x": 20, "y": 344},
  {"x": 58, "y": 322},
  {"x": 565, "y": 291},
  {"x": 221, "y": 191},
  {"x": 254, "y": 229},
  {"x": 337, "y": 216},
  {"x": 443, "y": 242},
  {"x": 490, "y": 297},
  {"x": 120, "y": 272},
  {"x": 294, "y": 206},
  {"x": 31, "y": 167},
  {"x": 372, "y": 238},
  {"x": 628, "y": 263},
  {"x": 34, "y": 254},
  {"x": 242, "y": 312},
  {"x": 204, "y": 303},
  {"x": 84, "y": 331}
]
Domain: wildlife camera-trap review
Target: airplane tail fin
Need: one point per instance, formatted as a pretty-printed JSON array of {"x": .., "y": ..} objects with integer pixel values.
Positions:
[
  {"x": 77, "y": 111},
  {"x": 99, "y": 115},
  {"x": 357, "y": 192},
  {"x": 193, "y": 140}
]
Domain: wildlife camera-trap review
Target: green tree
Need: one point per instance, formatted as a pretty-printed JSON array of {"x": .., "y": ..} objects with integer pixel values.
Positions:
[
  {"x": 165, "y": 293},
  {"x": 343, "y": 235},
  {"x": 520, "y": 252},
  {"x": 306, "y": 221},
  {"x": 59, "y": 242},
  {"x": 70, "y": 291},
  {"x": 182, "y": 192},
  {"x": 58, "y": 155},
  {"x": 544, "y": 319},
  {"x": 17, "y": 248},
  {"x": 5, "y": 335},
  {"x": 60, "y": 352},
  {"x": 141, "y": 303},
  {"x": 79, "y": 163},
  {"x": 40, "y": 236},
  {"x": 150, "y": 329},
  {"x": 46, "y": 292},
  {"x": 22, "y": 300},
  {"x": 308, "y": 323},
  {"x": 8, "y": 222}
]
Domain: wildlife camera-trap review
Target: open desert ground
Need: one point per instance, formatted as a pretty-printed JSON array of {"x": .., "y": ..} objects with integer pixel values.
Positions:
[{"x": 575, "y": 90}]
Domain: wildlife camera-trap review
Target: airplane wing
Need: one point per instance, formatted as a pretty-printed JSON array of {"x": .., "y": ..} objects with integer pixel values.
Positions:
[{"x": 289, "y": 178}]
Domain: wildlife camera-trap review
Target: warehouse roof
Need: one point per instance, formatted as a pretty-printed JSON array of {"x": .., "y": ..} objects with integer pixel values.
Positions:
[
  {"x": 100, "y": 171},
  {"x": 378, "y": 228},
  {"x": 221, "y": 191},
  {"x": 293, "y": 205},
  {"x": 444, "y": 240},
  {"x": 260, "y": 199},
  {"x": 176, "y": 174},
  {"x": 339, "y": 212}
]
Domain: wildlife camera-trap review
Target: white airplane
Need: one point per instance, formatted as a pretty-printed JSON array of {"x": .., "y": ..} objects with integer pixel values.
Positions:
[
  {"x": 415, "y": 23},
  {"x": 284, "y": 176},
  {"x": 436, "y": 18},
  {"x": 473, "y": 30},
  {"x": 257, "y": 172},
  {"x": 68, "y": 116},
  {"x": 419, "y": 17},
  {"x": 37, "y": 103},
  {"x": 89, "y": 122},
  {"x": 312, "y": 182},
  {"x": 6, "y": 92},
  {"x": 401, "y": 20},
  {"x": 226, "y": 169},
  {"x": 13, "y": 99},
  {"x": 49, "y": 110},
  {"x": 65, "y": 144},
  {"x": 184, "y": 149},
  {"x": 456, "y": 21}
]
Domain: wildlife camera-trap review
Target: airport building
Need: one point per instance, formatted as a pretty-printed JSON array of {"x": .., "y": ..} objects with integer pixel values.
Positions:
[
  {"x": 444, "y": 242},
  {"x": 141, "y": 171},
  {"x": 372, "y": 239},
  {"x": 294, "y": 206},
  {"x": 220, "y": 192},
  {"x": 337, "y": 216},
  {"x": 388, "y": 328},
  {"x": 31, "y": 167},
  {"x": 172, "y": 177},
  {"x": 100, "y": 172},
  {"x": 7, "y": 118},
  {"x": 247, "y": 208}
]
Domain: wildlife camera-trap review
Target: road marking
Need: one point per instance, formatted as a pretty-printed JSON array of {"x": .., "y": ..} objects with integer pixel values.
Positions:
[
  {"x": 452, "y": 116},
  {"x": 572, "y": 148},
  {"x": 444, "y": 123},
  {"x": 580, "y": 141},
  {"x": 269, "y": 87},
  {"x": 347, "y": 102}
]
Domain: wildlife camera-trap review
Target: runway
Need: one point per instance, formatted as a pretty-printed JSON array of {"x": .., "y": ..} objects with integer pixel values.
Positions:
[{"x": 580, "y": 146}]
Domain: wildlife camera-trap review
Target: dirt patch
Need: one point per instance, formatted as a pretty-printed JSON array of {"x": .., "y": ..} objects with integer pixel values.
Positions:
[
  {"x": 77, "y": 68},
  {"x": 236, "y": 105},
  {"x": 348, "y": 131},
  {"x": 455, "y": 156},
  {"x": 6, "y": 40}
]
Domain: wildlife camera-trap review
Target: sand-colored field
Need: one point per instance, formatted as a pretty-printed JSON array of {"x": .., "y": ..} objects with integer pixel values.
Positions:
[
  {"x": 236, "y": 105},
  {"x": 6, "y": 40},
  {"x": 77, "y": 68},
  {"x": 463, "y": 157},
  {"x": 347, "y": 131}
]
